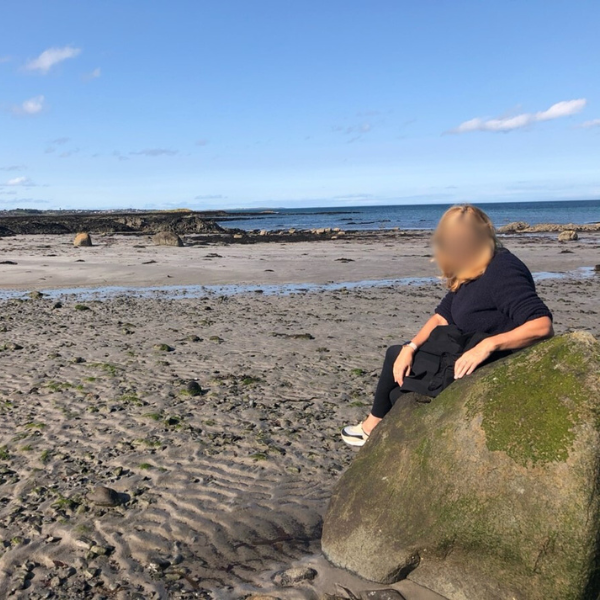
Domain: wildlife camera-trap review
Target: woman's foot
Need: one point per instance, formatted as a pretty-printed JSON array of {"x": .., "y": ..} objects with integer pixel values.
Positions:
[
  {"x": 354, "y": 435},
  {"x": 357, "y": 435}
]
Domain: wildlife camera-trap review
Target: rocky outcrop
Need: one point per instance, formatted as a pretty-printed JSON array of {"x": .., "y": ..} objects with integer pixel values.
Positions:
[
  {"x": 490, "y": 491},
  {"x": 167, "y": 238},
  {"x": 82, "y": 239},
  {"x": 108, "y": 222},
  {"x": 568, "y": 236},
  {"x": 522, "y": 227},
  {"x": 513, "y": 227}
]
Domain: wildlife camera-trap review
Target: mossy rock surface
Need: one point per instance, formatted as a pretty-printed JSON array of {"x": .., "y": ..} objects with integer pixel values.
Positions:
[{"x": 490, "y": 491}]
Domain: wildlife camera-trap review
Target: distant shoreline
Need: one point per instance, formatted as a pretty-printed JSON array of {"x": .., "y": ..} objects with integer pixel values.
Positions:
[{"x": 265, "y": 224}]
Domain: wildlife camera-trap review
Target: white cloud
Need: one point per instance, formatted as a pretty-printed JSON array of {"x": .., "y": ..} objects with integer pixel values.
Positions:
[
  {"x": 48, "y": 58},
  {"x": 97, "y": 72},
  {"x": 33, "y": 106},
  {"x": 68, "y": 153},
  {"x": 155, "y": 152},
  {"x": 17, "y": 181},
  {"x": 13, "y": 168},
  {"x": 590, "y": 124},
  {"x": 5, "y": 59},
  {"x": 503, "y": 124}
]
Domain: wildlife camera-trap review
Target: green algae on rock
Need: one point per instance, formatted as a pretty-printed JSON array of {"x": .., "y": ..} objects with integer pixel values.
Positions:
[{"x": 491, "y": 491}]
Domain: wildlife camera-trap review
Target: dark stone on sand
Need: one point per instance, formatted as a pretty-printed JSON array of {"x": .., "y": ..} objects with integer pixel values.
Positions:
[
  {"x": 294, "y": 336},
  {"x": 193, "y": 388},
  {"x": 295, "y": 575},
  {"x": 104, "y": 496},
  {"x": 158, "y": 563},
  {"x": 8, "y": 262},
  {"x": 11, "y": 346},
  {"x": 597, "y": 268},
  {"x": 382, "y": 595},
  {"x": 163, "y": 348},
  {"x": 490, "y": 491},
  {"x": 167, "y": 238},
  {"x": 36, "y": 295}
]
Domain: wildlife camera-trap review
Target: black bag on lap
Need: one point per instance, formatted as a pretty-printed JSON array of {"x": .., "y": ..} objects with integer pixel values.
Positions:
[{"x": 433, "y": 366}]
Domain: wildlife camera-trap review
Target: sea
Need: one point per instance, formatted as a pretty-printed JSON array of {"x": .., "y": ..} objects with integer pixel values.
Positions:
[{"x": 410, "y": 216}]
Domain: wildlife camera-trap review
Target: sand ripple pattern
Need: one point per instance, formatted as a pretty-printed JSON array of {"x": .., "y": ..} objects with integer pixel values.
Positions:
[{"x": 224, "y": 486}]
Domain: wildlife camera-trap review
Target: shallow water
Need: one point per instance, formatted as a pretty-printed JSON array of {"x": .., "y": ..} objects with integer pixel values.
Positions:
[
  {"x": 202, "y": 291},
  {"x": 421, "y": 216}
]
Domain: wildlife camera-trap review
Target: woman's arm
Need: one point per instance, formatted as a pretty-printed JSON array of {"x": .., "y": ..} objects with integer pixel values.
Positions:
[
  {"x": 426, "y": 330},
  {"x": 405, "y": 358},
  {"x": 520, "y": 337}
]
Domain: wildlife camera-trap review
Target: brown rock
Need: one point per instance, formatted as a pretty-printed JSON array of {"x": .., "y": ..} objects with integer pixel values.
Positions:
[
  {"x": 568, "y": 236},
  {"x": 104, "y": 496},
  {"x": 82, "y": 239},
  {"x": 167, "y": 238}
]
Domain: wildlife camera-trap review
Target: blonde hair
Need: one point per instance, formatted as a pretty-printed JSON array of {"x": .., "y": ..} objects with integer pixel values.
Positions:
[{"x": 484, "y": 230}]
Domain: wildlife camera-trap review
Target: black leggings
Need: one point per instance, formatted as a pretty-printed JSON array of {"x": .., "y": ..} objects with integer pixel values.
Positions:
[{"x": 387, "y": 390}]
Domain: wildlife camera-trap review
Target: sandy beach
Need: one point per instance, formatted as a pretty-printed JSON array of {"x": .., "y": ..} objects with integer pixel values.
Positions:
[
  {"x": 216, "y": 419},
  {"x": 51, "y": 261}
]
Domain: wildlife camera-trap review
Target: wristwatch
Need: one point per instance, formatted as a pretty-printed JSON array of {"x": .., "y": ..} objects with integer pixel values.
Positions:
[{"x": 412, "y": 345}]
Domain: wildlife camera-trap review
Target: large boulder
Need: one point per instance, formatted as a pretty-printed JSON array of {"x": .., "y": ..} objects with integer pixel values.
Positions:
[
  {"x": 491, "y": 491},
  {"x": 167, "y": 238},
  {"x": 82, "y": 239},
  {"x": 568, "y": 235}
]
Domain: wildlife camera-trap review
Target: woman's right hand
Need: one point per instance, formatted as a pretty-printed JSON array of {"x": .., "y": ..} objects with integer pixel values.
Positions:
[{"x": 403, "y": 364}]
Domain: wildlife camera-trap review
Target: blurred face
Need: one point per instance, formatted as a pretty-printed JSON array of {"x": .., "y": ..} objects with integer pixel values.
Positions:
[{"x": 457, "y": 245}]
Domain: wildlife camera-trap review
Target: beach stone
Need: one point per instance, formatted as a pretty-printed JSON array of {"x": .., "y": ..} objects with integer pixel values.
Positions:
[
  {"x": 193, "y": 388},
  {"x": 382, "y": 595},
  {"x": 490, "y": 491},
  {"x": 293, "y": 576},
  {"x": 11, "y": 346},
  {"x": 568, "y": 235},
  {"x": 104, "y": 496},
  {"x": 35, "y": 295},
  {"x": 167, "y": 238},
  {"x": 597, "y": 268},
  {"x": 163, "y": 348},
  {"x": 83, "y": 239}
]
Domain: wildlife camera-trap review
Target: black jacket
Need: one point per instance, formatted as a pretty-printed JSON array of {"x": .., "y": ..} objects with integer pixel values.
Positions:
[{"x": 433, "y": 365}]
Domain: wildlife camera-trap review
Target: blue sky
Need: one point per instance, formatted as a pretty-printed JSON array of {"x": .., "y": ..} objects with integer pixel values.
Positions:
[{"x": 257, "y": 103}]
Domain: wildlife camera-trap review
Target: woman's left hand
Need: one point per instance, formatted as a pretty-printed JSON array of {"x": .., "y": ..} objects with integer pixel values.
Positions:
[{"x": 472, "y": 358}]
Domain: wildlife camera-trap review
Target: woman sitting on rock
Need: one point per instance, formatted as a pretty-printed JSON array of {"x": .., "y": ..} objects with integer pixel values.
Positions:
[{"x": 491, "y": 308}]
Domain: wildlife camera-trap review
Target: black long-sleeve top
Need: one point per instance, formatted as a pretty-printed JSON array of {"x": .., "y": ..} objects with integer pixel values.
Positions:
[{"x": 503, "y": 298}]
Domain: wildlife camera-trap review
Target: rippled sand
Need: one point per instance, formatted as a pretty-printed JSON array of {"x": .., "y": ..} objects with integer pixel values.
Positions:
[{"x": 221, "y": 490}]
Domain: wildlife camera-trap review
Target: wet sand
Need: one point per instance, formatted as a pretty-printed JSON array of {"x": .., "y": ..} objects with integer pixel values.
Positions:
[
  {"x": 219, "y": 490},
  {"x": 44, "y": 262}
]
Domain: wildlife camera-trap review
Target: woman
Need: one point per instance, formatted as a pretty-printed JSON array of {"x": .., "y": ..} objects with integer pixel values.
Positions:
[{"x": 491, "y": 294}]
